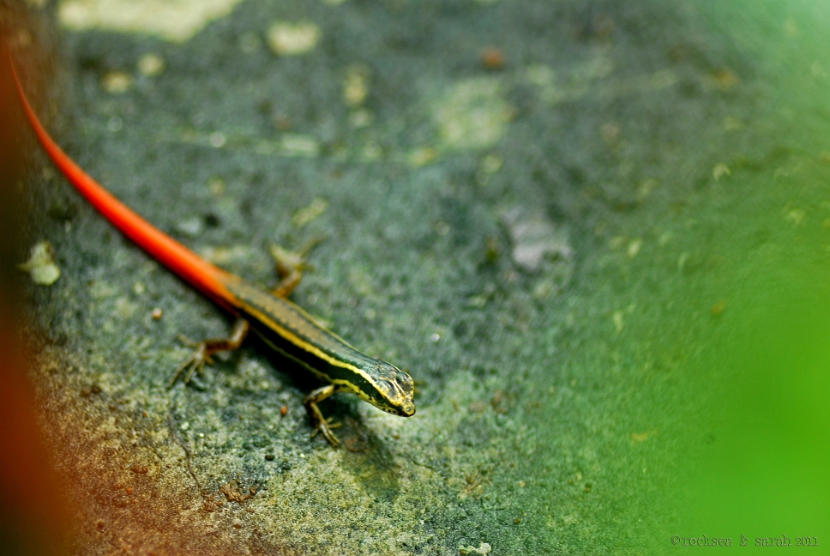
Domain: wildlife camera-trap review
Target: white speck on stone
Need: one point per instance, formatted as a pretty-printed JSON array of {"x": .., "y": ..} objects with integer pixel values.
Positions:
[
  {"x": 117, "y": 82},
  {"x": 217, "y": 139},
  {"x": 299, "y": 145},
  {"x": 291, "y": 39},
  {"x": 634, "y": 248},
  {"x": 720, "y": 170},
  {"x": 150, "y": 65},
  {"x": 173, "y": 20},
  {"x": 483, "y": 548},
  {"x": 226, "y": 255},
  {"x": 355, "y": 85},
  {"x": 309, "y": 213},
  {"x": 191, "y": 227},
  {"x": 41, "y": 265},
  {"x": 535, "y": 238}
]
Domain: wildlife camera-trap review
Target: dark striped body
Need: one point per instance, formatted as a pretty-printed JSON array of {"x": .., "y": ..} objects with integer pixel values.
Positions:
[{"x": 291, "y": 331}]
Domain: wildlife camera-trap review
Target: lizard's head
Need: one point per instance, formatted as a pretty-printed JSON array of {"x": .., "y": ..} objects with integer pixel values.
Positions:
[{"x": 393, "y": 390}]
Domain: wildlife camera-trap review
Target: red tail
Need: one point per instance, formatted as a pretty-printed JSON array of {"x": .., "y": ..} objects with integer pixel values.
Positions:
[{"x": 201, "y": 274}]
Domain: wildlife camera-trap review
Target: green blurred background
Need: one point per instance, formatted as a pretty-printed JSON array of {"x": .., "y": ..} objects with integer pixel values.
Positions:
[{"x": 763, "y": 376}]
